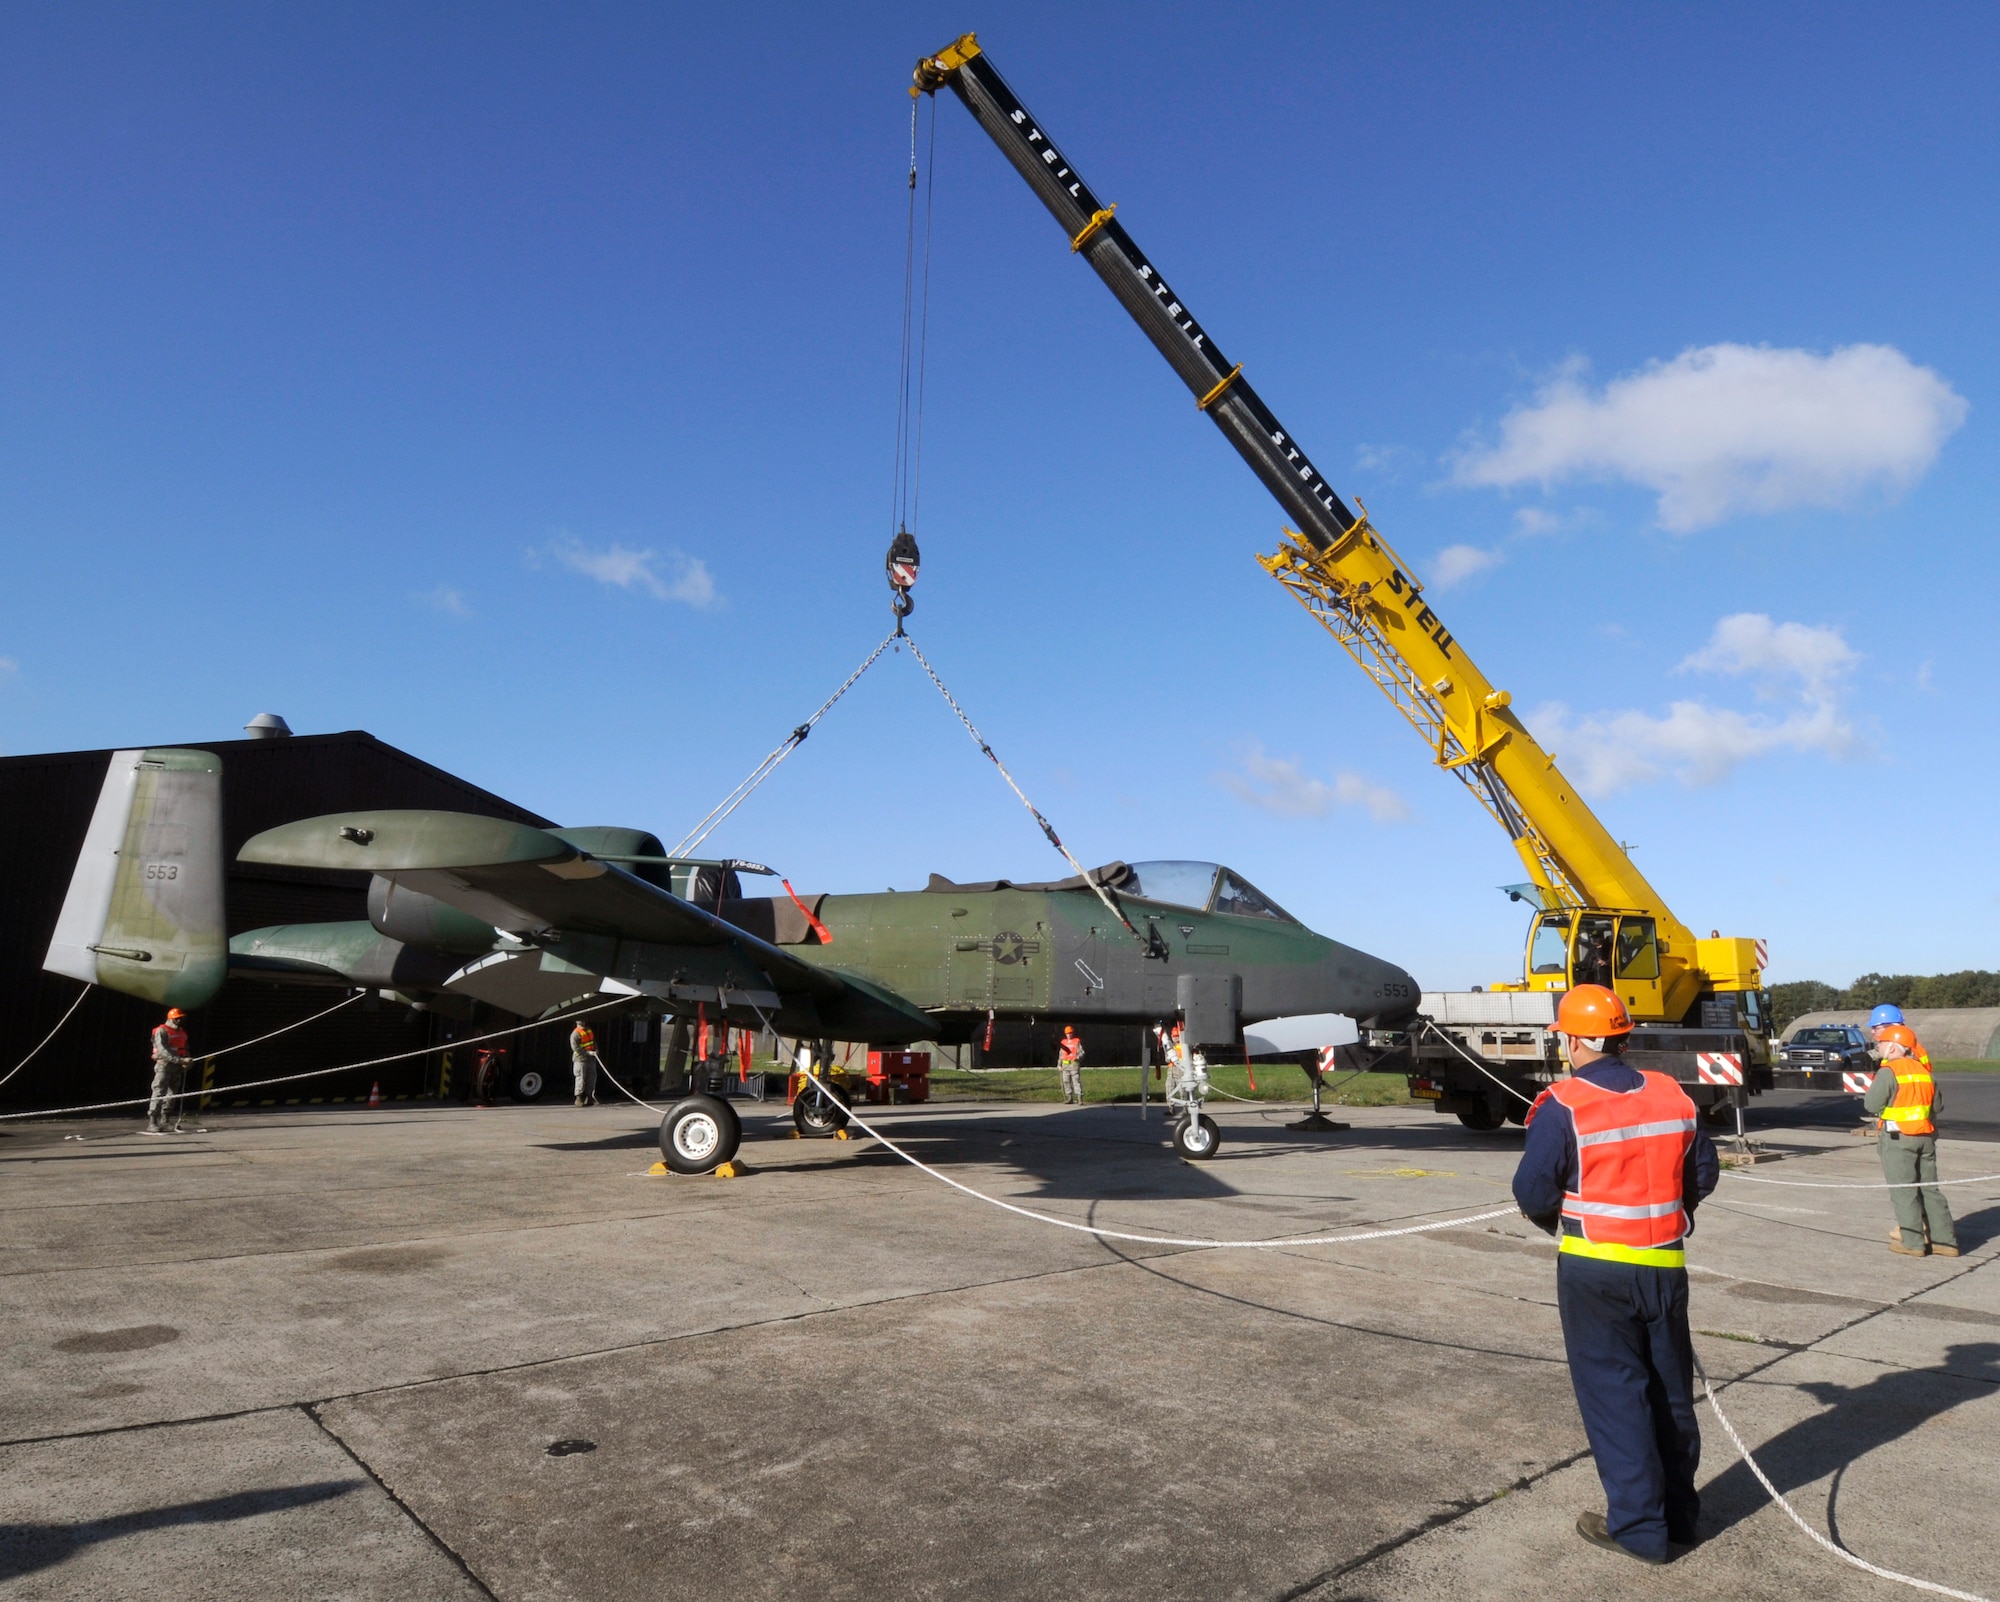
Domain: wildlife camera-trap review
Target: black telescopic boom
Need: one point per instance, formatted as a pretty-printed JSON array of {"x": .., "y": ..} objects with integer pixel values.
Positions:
[{"x": 1219, "y": 389}]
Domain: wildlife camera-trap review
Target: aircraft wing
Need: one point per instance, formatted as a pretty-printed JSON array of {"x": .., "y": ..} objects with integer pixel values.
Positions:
[{"x": 584, "y": 912}]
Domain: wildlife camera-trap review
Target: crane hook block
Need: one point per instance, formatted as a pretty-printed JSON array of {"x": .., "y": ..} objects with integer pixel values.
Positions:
[{"x": 903, "y": 560}]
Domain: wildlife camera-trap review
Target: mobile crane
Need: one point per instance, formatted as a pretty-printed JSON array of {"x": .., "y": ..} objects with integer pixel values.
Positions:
[{"x": 1699, "y": 1004}]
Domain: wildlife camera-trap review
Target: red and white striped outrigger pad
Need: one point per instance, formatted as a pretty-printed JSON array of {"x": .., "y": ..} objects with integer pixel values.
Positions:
[
  {"x": 1718, "y": 1067},
  {"x": 1856, "y": 1084}
]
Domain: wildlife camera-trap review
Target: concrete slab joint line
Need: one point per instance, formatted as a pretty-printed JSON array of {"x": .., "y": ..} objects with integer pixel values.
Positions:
[{"x": 311, "y": 1411}]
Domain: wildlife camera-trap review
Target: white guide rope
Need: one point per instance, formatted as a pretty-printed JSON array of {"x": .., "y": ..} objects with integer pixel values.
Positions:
[
  {"x": 65, "y": 1018},
  {"x": 608, "y": 1074},
  {"x": 273, "y": 1035},
  {"x": 1721, "y": 1418},
  {"x": 1792, "y": 1513},
  {"x": 736, "y": 797},
  {"x": 1047, "y": 828},
  {"x": 1160, "y": 1240},
  {"x": 314, "y": 1073}
]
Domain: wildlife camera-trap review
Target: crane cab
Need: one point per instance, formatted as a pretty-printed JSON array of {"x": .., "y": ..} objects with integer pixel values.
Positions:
[{"x": 1619, "y": 950}]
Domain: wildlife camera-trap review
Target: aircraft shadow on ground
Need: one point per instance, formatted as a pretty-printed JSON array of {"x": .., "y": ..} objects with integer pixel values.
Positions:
[
  {"x": 1097, "y": 1154},
  {"x": 1857, "y": 1420},
  {"x": 27, "y": 1548}
]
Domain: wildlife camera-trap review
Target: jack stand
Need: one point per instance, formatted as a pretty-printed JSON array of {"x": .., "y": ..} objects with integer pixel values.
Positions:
[
  {"x": 1317, "y": 1122},
  {"x": 1743, "y": 1151}
]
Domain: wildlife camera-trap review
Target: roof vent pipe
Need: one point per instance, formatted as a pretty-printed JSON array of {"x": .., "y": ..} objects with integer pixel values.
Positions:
[{"x": 267, "y": 726}]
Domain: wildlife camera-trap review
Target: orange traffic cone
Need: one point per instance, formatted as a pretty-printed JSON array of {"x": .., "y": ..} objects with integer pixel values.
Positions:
[{"x": 375, "y": 1095}]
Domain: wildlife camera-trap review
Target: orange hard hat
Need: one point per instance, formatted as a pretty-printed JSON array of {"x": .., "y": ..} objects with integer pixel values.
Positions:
[
  {"x": 1592, "y": 1012},
  {"x": 1899, "y": 1033},
  {"x": 1069, "y": 1029},
  {"x": 173, "y": 1013}
]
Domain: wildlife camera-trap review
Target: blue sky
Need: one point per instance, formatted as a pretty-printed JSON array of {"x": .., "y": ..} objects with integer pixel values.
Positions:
[{"x": 518, "y": 383}]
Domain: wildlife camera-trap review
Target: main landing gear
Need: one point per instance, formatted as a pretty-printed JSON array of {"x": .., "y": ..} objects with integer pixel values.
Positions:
[{"x": 699, "y": 1133}]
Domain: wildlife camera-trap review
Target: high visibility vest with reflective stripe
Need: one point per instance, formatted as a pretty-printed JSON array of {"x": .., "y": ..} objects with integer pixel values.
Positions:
[
  {"x": 172, "y": 1038},
  {"x": 583, "y": 1040},
  {"x": 1910, "y": 1108},
  {"x": 1631, "y": 1149}
]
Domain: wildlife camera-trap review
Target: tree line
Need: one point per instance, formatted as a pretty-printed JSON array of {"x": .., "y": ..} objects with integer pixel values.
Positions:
[{"x": 1972, "y": 987}]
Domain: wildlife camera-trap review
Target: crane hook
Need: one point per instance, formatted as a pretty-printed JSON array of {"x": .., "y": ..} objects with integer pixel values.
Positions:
[{"x": 902, "y": 565}]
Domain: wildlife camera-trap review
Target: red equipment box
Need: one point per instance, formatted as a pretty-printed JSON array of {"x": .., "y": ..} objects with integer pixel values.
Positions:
[{"x": 899, "y": 1076}]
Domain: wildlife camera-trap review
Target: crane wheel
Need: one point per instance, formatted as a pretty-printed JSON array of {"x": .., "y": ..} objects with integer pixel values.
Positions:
[{"x": 1482, "y": 1118}]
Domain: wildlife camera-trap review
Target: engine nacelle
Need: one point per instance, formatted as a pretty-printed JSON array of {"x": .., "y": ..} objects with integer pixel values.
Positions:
[{"x": 420, "y": 920}]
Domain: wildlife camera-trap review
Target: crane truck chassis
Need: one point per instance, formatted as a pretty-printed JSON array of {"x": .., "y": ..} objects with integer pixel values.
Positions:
[{"x": 1699, "y": 1005}]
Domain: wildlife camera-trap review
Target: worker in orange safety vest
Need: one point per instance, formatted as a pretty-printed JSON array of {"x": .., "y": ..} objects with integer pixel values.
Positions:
[
  {"x": 583, "y": 1063},
  {"x": 1069, "y": 1058},
  {"x": 1614, "y": 1165},
  {"x": 170, "y": 1063},
  {"x": 1904, "y": 1100}
]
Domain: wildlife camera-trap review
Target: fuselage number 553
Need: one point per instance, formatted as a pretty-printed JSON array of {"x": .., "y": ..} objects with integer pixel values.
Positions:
[{"x": 156, "y": 872}]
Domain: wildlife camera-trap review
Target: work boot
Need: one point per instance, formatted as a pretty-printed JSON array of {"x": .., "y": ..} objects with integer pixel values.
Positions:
[
  {"x": 1943, "y": 1251},
  {"x": 1896, "y": 1245},
  {"x": 579, "y": 1101},
  {"x": 1592, "y": 1528}
]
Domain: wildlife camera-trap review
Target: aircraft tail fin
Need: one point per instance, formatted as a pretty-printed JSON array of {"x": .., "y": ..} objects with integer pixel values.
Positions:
[{"x": 144, "y": 913}]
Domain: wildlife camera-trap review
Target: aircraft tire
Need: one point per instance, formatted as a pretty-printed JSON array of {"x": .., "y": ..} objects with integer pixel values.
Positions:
[
  {"x": 1197, "y": 1141},
  {"x": 528, "y": 1084},
  {"x": 1484, "y": 1119},
  {"x": 699, "y": 1134},
  {"x": 819, "y": 1117}
]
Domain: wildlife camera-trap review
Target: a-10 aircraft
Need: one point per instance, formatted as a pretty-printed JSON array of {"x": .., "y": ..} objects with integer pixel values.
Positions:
[{"x": 530, "y": 920}]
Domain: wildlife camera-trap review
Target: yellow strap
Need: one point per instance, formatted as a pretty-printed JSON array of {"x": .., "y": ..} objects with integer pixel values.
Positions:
[
  {"x": 1215, "y": 394},
  {"x": 1097, "y": 220},
  {"x": 1644, "y": 1256}
]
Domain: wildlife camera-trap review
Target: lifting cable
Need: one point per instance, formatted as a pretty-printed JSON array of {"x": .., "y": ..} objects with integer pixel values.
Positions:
[
  {"x": 757, "y": 775},
  {"x": 1043, "y": 823}
]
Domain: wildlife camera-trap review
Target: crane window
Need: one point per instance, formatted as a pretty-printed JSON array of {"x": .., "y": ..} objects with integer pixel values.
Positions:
[
  {"x": 1638, "y": 950},
  {"x": 1593, "y": 952},
  {"x": 1246, "y": 900},
  {"x": 1549, "y": 953}
]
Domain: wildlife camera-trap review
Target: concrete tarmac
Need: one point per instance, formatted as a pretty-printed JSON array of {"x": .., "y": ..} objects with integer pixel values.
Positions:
[{"x": 434, "y": 1352}]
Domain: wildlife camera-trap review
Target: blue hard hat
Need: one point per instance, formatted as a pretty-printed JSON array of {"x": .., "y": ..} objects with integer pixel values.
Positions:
[{"x": 1887, "y": 1013}]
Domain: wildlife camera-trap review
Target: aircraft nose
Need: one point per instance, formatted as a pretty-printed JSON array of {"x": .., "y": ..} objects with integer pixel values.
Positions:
[{"x": 1387, "y": 996}]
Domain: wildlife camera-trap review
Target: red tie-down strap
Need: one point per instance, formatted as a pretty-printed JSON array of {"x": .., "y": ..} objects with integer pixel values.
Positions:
[
  {"x": 825, "y": 934},
  {"x": 745, "y": 1047},
  {"x": 701, "y": 1035}
]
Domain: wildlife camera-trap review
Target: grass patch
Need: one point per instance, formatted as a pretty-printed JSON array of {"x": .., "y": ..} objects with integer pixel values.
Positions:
[
  {"x": 1967, "y": 1065},
  {"x": 1122, "y": 1084}
]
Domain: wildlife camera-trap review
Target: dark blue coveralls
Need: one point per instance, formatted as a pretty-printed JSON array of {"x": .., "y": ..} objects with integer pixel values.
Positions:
[{"x": 1625, "y": 1328}]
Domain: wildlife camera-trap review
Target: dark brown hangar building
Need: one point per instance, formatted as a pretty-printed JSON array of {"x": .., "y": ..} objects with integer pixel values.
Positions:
[{"x": 102, "y": 1054}]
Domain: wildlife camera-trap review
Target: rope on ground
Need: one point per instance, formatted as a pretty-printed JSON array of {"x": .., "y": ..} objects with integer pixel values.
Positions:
[
  {"x": 736, "y": 797},
  {"x": 314, "y": 1073},
  {"x": 65, "y": 1018},
  {"x": 1166, "y": 1240},
  {"x": 1792, "y": 1513},
  {"x": 1047, "y": 828},
  {"x": 1860, "y": 1184}
]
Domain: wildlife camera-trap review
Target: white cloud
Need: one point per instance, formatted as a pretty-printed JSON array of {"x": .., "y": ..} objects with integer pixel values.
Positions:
[
  {"x": 8, "y": 667},
  {"x": 1733, "y": 428},
  {"x": 1798, "y": 667},
  {"x": 1279, "y": 785},
  {"x": 447, "y": 600},
  {"x": 1457, "y": 563},
  {"x": 689, "y": 580}
]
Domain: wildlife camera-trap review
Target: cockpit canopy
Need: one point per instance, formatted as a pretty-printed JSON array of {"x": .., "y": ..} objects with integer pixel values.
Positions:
[{"x": 1204, "y": 886}]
